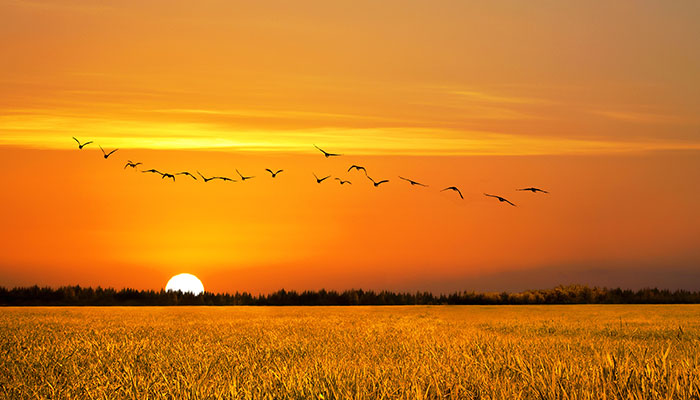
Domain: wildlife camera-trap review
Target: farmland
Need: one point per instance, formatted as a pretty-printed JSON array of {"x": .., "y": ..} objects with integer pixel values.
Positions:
[{"x": 411, "y": 352}]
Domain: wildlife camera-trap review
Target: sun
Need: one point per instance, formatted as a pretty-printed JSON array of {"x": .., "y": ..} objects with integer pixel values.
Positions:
[{"x": 185, "y": 283}]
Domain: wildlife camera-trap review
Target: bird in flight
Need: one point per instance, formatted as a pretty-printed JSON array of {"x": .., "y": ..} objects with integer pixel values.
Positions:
[
  {"x": 342, "y": 182},
  {"x": 274, "y": 174},
  {"x": 106, "y": 155},
  {"x": 534, "y": 190},
  {"x": 204, "y": 178},
  {"x": 131, "y": 164},
  {"x": 327, "y": 154},
  {"x": 244, "y": 178},
  {"x": 319, "y": 180},
  {"x": 223, "y": 178},
  {"x": 412, "y": 182},
  {"x": 167, "y": 175},
  {"x": 501, "y": 199},
  {"x": 357, "y": 167},
  {"x": 455, "y": 189},
  {"x": 80, "y": 146},
  {"x": 155, "y": 171},
  {"x": 186, "y": 173},
  {"x": 377, "y": 183}
]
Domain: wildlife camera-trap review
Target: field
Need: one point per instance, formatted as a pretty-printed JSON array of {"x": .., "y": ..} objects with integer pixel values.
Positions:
[{"x": 450, "y": 352}]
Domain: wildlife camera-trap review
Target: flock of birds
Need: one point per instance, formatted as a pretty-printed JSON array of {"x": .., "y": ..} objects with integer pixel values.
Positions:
[{"x": 273, "y": 174}]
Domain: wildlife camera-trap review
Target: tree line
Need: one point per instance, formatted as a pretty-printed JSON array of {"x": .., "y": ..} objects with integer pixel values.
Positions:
[{"x": 571, "y": 294}]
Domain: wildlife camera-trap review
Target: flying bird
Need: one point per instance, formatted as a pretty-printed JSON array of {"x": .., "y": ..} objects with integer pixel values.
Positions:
[
  {"x": 155, "y": 171},
  {"x": 167, "y": 175},
  {"x": 186, "y": 173},
  {"x": 327, "y": 154},
  {"x": 533, "y": 190},
  {"x": 377, "y": 183},
  {"x": 106, "y": 155},
  {"x": 223, "y": 178},
  {"x": 131, "y": 164},
  {"x": 274, "y": 174},
  {"x": 501, "y": 199},
  {"x": 357, "y": 167},
  {"x": 244, "y": 178},
  {"x": 204, "y": 178},
  {"x": 455, "y": 189},
  {"x": 342, "y": 182},
  {"x": 412, "y": 182},
  {"x": 319, "y": 180},
  {"x": 80, "y": 146}
]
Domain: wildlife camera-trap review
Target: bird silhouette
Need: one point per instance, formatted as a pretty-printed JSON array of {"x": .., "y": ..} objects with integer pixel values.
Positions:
[
  {"x": 106, "y": 155},
  {"x": 455, "y": 189},
  {"x": 342, "y": 182},
  {"x": 274, "y": 174},
  {"x": 533, "y": 190},
  {"x": 327, "y": 154},
  {"x": 80, "y": 146},
  {"x": 357, "y": 167},
  {"x": 319, "y": 180},
  {"x": 131, "y": 164},
  {"x": 186, "y": 173},
  {"x": 167, "y": 175},
  {"x": 376, "y": 184},
  {"x": 223, "y": 178},
  {"x": 204, "y": 178},
  {"x": 155, "y": 171},
  {"x": 244, "y": 178},
  {"x": 412, "y": 182},
  {"x": 501, "y": 199}
]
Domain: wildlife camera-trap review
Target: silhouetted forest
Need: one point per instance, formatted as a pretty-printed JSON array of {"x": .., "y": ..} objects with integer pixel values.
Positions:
[{"x": 573, "y": 294}]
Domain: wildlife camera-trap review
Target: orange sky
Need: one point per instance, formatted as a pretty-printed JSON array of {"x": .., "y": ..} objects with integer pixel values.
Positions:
[{"x": 596, "y": 102}]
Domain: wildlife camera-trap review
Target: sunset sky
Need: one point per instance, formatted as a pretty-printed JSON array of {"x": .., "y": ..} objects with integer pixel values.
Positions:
[{"x": 596, "y": 101}]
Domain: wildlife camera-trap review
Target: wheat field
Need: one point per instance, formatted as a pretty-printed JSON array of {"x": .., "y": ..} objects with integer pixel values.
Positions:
[{"x": 412, "y": 352}]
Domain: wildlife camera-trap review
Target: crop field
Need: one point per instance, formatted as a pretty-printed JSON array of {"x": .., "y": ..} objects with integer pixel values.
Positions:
[{"x": 412, "y": 352}]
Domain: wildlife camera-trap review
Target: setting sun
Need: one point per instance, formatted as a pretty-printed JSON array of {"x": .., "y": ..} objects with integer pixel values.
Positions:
[{"x": 185, "y": 283}]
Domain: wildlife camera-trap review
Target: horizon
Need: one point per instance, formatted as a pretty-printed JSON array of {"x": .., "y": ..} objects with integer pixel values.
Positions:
[{"x": 488, "y": 97}]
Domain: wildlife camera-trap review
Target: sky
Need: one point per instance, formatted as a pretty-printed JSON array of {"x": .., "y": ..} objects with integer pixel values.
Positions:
[{"x": 597, "y": 102}]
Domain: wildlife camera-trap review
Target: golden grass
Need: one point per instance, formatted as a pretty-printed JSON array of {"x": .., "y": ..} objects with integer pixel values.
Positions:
[{"x": 422, "y": 352}]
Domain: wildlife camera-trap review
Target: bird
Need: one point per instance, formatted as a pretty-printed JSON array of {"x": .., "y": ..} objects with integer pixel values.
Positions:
[
  {"x": 533, "y": 190},
  {"x": 274, "y": 174},
  {"x": 501, "y": 199},
  {"x": 131, "y": 164},
  {"x": 342, "y": 182},
  {"x": 206, "y": 179},
  {"x": 357, "y": 167},
  {"x": 106, "y": 155},
  {"x": 412, "y": 182},
  {"x": 319, "y": 180},
  {"x": 80, "y": 146},
  {"x": 155, "y": 171},
  {"x": 186, "y": 173},
  {"x": 167, "y": 175},
  {"x": 327, "y": 154},
  {"x": 244, "y": 178},
  {"x": 377, "y": 183},
  {"x": 223, "y": 178},
  {"x": 455, "y": 189}
]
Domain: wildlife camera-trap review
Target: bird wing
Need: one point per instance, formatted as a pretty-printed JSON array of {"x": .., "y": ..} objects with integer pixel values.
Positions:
[
  {"x": 509, "y": 202},
  {"x": 460, "y": 193},
  {"x": 110, "y": 153},
  {"x": 103, "y": 150},
  {"x": 76, "y": 140},
  {"x": 269, "y": 170},
  {"x": 382, "y": 181},
  {"x": 87, "y": 143},
  {"x": 321, "y": 150},
  {"x": 281, "y": 170},
  {"x": 325, "y": 177},
  {"x": 490, "y": 195}
]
